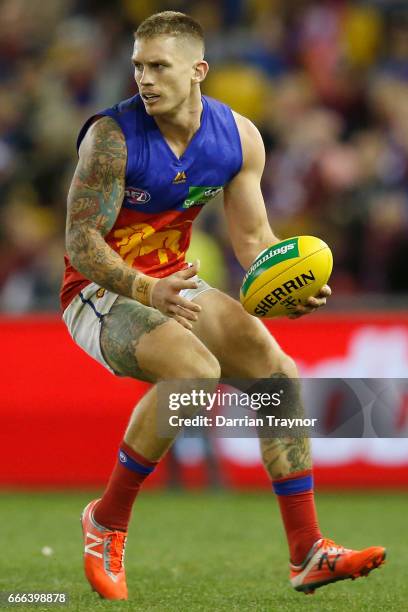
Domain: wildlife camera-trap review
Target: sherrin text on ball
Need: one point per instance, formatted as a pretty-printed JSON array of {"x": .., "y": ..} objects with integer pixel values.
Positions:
[{"x": 285, "y": 275}]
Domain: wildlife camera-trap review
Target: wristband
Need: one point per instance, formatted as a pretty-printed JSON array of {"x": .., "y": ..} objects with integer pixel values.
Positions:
[{"x": 143, "y": 287}]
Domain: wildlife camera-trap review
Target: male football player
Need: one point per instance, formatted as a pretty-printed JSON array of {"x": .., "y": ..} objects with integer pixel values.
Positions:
[{"x": 147, "y": 166}]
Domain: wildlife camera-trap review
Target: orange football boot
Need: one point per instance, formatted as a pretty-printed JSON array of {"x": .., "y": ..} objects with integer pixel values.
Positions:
[
  {"x": 103, "y": 556},
  {"x": 327, "y": 562}
]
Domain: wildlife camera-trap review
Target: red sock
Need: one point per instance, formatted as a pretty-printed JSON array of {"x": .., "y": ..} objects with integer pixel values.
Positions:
[
  {"x": 296, "y": 502},
  {"x": 115, "y": 508}
]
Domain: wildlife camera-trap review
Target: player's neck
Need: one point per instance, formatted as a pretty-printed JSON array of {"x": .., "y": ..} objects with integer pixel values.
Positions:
[{"x": 179, "y": 127}]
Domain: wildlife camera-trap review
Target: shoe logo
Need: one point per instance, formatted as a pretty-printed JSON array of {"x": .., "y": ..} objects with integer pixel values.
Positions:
[
  {"x": 330, "y": 564},
  {"x": 180, "y": 178},
  {"x": 91, "y": 545},
  {"x": 122, "y": 457}
]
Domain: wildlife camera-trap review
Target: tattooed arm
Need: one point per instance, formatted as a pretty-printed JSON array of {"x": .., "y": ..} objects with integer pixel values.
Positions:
[{"x": 94, "y": 201}]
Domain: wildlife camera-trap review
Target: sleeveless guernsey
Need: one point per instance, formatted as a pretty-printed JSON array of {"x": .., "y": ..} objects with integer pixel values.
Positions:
[{"x": 163, "y": 193}]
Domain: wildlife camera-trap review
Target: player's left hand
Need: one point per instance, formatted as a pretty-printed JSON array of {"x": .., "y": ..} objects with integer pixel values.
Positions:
[{"x": 312, "y": 304}]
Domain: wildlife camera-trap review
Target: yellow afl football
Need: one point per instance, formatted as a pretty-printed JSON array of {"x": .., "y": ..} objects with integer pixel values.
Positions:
[{"x": 285, "y": 275}]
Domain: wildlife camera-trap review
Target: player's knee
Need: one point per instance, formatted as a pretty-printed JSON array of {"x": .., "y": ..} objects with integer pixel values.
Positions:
[
  {"x": 184, "y": 356},
  {"x": 261, "y": 343},
  {"x": 174, "y": 353},
  {"x": 257, "y": 352},
  {"x": 273, "y": 359},
  {"x": 286, "y": 365},
  {"x": 212, "y": 366},
  {"x": 198, "y": 363}
]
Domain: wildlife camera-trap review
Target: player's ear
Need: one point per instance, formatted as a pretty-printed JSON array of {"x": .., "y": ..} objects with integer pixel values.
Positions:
[{"x": 200, "y": 70}]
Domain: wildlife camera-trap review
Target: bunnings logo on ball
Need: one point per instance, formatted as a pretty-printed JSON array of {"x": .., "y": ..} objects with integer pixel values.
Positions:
[{"x": 287, "y": 249}]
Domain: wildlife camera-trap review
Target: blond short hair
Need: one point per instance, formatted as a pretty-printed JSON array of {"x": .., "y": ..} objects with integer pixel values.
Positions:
[{"x": 171, "y": 23}]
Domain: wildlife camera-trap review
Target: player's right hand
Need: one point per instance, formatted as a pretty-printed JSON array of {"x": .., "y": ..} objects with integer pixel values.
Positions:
[{"x": 166, "y": 296}]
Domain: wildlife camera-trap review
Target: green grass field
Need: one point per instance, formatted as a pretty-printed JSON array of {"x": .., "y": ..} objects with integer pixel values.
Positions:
[{"x": 203, "y": 552}]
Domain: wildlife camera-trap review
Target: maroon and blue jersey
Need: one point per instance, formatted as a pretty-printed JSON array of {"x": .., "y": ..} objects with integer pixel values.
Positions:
[{"x": 164, "y": 193}]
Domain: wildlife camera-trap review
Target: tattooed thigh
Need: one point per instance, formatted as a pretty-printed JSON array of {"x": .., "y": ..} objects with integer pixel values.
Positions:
[{"x": 122, "y": 329}]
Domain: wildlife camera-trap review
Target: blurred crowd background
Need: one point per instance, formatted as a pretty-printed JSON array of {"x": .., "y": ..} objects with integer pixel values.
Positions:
[{"x": 326, "y": 82}]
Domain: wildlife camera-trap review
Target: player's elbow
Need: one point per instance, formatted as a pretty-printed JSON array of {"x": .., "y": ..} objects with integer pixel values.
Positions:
[{"x": 76, "y": 243}]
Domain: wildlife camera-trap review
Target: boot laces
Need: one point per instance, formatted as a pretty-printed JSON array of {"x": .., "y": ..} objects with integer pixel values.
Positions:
[
  {"x": 116, "y": 551},
  {"x": 331, "y": 546}
]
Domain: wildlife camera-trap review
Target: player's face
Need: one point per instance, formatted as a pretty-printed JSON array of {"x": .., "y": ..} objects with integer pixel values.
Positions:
[{"x": 165, "y": 72}]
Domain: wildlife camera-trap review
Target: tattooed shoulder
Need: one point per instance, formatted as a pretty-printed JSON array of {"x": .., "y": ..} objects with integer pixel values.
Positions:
[{"x": 97, "y": 189}]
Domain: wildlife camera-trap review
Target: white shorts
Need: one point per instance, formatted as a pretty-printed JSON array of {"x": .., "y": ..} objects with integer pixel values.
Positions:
[{"x": 84, "y": 315}]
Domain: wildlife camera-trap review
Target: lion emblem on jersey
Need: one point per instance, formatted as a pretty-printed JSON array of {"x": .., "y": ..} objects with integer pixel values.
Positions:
[{"x": 142, "y": 239}]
